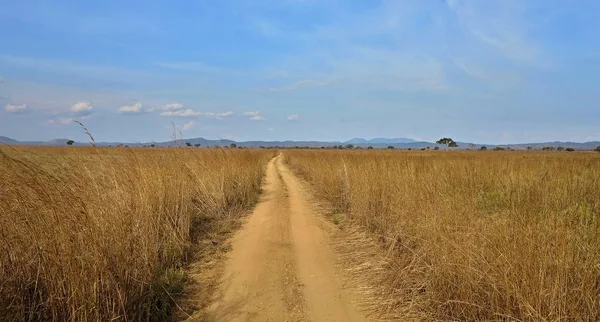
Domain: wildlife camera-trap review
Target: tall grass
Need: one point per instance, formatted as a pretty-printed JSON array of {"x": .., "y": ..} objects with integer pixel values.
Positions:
[
  {"x": 92, "y": 234},
  {"x": 474, "y": 235}
]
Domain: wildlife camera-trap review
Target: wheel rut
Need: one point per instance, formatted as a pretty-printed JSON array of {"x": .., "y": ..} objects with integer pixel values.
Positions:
[{"x": 281, "y": 267}]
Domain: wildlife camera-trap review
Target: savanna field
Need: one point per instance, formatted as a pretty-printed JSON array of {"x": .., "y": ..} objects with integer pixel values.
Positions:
[
  {"x": 474, "y": 235},
  {"x": 98, "y": 234},
  {"x": 104, "y": 234}
]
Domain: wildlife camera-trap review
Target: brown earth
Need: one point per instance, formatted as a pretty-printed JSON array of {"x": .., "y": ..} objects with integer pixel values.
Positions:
[{"x": 281, "y": 266}]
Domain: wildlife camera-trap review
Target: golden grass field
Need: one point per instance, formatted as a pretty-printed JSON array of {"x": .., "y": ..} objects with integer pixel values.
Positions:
[
  {"x": 96, "y": 234},
  {"x": 511, "y": 236}
]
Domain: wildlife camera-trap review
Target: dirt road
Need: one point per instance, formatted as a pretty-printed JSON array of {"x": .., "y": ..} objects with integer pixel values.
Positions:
[{"x": 281, "y": 267}]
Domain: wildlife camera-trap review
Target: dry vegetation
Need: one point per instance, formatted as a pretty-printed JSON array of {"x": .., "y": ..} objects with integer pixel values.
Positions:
[
  {"x": 104, "y": 234},
  {"x": 474, "y": 235}
]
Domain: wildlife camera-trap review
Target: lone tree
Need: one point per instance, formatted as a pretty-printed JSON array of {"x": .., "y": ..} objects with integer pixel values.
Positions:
[
  {"x": 188, "y": 144},
  {"x": 447, "y": 141},
  {"x": 197, "y": 145},
  {"x": 483, "y": 148},
  {"x": 598, "y": 149},
  {"x": 70, "y": 142},
  {"x": 233, "y": 145}
]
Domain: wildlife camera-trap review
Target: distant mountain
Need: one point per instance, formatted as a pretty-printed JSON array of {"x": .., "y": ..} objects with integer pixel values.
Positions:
[
  {"x": 379, "y": 141},
  {"x": 57, "y": 142},
  {"x": 357, "y": 141},
  {"x": 5, "y": 140},
  {"x": 202, "y": 141}
]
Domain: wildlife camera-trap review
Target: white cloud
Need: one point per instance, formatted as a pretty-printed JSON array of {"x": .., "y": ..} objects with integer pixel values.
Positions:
[
  {"x": 301, "y": 84},
  {"x": 172, "y": 107},
  {"x": 15, "y": 108},
  {"x": 293, "y": 117},
  {"x": 503, "y": 25},
  {"x": 81, "y": 107},
  {"x": 185, "y": 113},
  {"x": 254, "y": 116},
  {"x": 497, "y": 78},
  {"x": 252, "y": 113},
  {"x": 61, "y": 120},
  {"x": 196, "y": 66},
  {"x": 66, "y": 120},
  {"x": 189, "y": 113},
  {"x": 189, "y": 125},
  {"x": 130, "y": 109},
  {"x": 225, "y": 114},
  {"x": 218, "y": 116}
]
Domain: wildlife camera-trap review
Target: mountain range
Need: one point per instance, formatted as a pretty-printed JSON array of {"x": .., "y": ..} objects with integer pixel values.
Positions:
[{"x": 378, "y": 143}]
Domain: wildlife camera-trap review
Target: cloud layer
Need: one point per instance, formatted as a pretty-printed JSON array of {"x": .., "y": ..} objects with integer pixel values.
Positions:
[
  {"x": 15, "y": 108},
  {"x": 131, "y": 109},
  {"x": 488, "y": 71}
]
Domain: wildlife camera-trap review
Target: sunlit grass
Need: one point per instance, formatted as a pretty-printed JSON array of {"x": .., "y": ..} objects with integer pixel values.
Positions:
[
  {"x": 474, "y": 235},
  {"x": 98, "y": 234}
]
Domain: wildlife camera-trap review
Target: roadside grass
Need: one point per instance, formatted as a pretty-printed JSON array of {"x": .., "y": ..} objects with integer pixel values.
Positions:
[
  {"x": 98, "y": 234},
  {"x": 473, "y": 235}
]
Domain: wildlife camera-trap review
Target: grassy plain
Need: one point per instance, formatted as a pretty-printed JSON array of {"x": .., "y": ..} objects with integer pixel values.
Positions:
[
  {"x": 104, "y": 234},
  {"x": 473, "y": 235}
]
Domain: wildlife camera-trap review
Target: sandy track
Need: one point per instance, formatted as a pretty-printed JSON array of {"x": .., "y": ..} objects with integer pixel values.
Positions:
[{"x": 281, "y": 267}]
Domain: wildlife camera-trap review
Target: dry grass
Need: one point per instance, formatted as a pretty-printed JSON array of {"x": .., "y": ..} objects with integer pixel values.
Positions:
[
  {"x": 100, "y": 234},
  {"x": 474, "y": 235}
]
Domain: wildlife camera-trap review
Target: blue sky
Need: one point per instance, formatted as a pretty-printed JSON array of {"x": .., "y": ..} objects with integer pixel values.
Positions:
[{"x": 494, "y": 71}]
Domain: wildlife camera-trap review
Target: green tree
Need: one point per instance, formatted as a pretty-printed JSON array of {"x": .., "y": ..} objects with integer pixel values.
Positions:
[
  {"x": 447, "y": 141},
  {"x": 70, "y": 142},
  {"x": 598, "y": 149},
  {"x": 152, "y": 145},
  {"x": 197, "y": 145},
  {"x": 483, "y": 148},
  {"x": 188, "y": 144},
  {"x": 349, "y": 146},
  {"x": 371, "y": 148},
  {"x": 390, "y": 147},
  {"x": 233, "y": 145},
  {"x": 570, "y": 149},
  {"x": 529, "y": 148},
  {"x": 560, "y": 148},
  {"x": 436, "y": 148}
]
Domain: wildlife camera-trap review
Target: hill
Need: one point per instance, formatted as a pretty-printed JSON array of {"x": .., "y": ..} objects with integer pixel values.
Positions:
[{"x": 378, "y": 143}]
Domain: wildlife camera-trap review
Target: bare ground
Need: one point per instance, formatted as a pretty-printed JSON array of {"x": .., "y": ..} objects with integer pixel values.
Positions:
[{"x": 286, "y": 264}]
